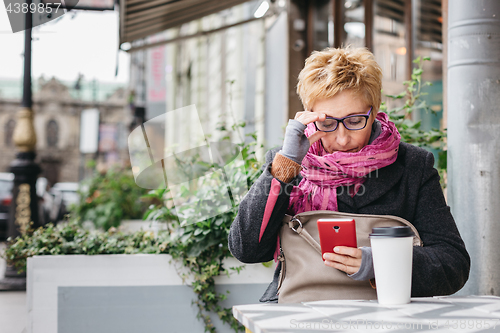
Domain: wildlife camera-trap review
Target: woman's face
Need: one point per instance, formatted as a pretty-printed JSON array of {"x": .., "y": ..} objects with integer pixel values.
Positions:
[{"x": 344, "y": 104}]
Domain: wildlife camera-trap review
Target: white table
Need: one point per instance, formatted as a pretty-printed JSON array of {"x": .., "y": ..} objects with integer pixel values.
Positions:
[{"x": 433, "y": 314}]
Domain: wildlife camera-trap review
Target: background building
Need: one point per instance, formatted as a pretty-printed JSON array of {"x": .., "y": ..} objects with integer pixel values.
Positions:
[{"x": 58, "y": 107}]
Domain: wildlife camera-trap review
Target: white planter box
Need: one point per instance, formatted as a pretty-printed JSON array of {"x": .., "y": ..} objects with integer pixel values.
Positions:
[
  {"x": 125, "y": 293},
  {"x": 137, "y": 225}
]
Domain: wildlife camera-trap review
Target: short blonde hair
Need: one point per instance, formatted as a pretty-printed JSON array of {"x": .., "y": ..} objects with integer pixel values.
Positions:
[{"x": 332, "y": 70}]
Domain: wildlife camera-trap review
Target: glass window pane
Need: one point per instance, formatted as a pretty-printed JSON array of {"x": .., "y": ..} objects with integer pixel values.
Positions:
[
  {"x": 9, "y": 132},
  {"x": 323, "y": 25},
  {"x": 354, "y": 25},
  {"x": 52, "y": 133},
  {"x": 428, "y": 16},
  {"x": 5, "y": 187},
  {"x": 389, "y": 44}
]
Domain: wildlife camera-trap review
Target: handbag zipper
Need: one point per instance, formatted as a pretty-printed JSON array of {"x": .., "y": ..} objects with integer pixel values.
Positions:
[
  {"x": 391, "y": 217},
  {"x": 281, "y": 258}
]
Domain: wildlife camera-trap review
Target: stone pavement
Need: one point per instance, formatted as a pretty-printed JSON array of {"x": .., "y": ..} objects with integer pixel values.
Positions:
[{"x": 12, "y": 306}]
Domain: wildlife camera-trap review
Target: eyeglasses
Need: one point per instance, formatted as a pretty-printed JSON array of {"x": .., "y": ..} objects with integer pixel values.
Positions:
[{"x": 354, "y": 122}]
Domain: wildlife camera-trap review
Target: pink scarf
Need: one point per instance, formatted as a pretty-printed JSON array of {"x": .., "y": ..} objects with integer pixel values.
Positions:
[{"x": 323, "y": 173}]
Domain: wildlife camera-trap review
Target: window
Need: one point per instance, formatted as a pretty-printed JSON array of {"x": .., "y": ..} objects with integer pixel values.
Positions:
[
  {"x": 9, "y": 132},
  {"x": 52, "y": 133}
]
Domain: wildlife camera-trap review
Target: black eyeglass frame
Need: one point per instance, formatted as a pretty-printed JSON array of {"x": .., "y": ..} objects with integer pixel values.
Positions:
[{"x": 341, "y": 120}]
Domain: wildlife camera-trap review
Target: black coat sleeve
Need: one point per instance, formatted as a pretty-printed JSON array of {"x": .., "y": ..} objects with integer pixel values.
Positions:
[
  {"x": 441, "y": 266},
  {"x": 245, "y": 230}
]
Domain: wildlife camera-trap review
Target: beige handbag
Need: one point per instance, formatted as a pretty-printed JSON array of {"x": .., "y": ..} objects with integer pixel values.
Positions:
[{"x": 304, "y": 277}]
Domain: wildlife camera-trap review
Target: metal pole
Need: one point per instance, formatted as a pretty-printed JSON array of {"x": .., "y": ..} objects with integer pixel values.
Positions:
[
  {"x": 338, "y": 23},
  {"x": 24, "y": 207},
  {"x": 27, "y": 93},
  {"x": 474, "y": 136},
  {"x": 369, "y": 18}
]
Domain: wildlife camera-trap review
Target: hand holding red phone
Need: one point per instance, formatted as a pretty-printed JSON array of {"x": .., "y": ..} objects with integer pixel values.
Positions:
[
  {"x": 338, "y": 244},
  {"x": 344, "y": 258}
]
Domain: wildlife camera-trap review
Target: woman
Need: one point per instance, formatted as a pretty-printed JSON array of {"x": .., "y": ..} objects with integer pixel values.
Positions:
[{"x": 341, "y": 154}]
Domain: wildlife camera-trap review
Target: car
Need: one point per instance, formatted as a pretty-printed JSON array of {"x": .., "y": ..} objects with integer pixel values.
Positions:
[
  {"x": 51, "y": 204},
  {"x": 6, "y": 184},
  {"x": 69, "y": 192}
]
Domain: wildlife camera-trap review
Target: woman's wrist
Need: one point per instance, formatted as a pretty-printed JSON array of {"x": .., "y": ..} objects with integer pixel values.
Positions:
[
  {"x": 365, "y": 271},
  {"x": 284, "y": 169},
  {"x": 295, "y": 144}
]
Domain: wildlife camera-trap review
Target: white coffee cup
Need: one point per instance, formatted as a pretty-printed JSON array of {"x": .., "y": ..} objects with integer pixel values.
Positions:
[{"x": 392, "y": 251}]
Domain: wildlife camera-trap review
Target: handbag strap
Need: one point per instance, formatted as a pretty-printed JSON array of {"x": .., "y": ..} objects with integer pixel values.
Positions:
[{"x": 296, "y": 226}]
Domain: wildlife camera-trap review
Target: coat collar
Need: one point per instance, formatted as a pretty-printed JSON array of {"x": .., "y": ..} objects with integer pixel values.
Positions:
[{"x": 378, "y": 183}]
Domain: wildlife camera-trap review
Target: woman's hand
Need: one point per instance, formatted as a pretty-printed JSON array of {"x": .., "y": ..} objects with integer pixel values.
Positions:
[
  {"x": 307, "y": 117},
  {"x": 344, "y": 258},
  {"x": 296, "y": 143}
]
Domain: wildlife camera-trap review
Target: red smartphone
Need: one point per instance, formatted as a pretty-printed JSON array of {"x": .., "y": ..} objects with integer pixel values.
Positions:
[{"x": 336, "y": 232}]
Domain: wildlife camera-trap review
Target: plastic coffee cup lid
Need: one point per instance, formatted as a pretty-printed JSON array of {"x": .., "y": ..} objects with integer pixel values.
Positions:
[{"x": 392, "y": 232}]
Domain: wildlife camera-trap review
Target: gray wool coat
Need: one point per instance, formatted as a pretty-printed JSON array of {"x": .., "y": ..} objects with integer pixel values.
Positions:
[{"x": 408, "y": 188}]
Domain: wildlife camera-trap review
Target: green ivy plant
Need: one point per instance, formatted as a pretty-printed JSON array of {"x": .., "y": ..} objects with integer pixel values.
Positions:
[
  {"x": 411, "y": 131},
  {"x": 202, "y": 246},
  {"x": 71, "y": 238},
  {"x": 109, "y": 198}
]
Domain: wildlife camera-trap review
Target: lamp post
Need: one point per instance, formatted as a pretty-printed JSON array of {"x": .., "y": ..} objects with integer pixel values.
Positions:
[{"x": 24, "y": 206}]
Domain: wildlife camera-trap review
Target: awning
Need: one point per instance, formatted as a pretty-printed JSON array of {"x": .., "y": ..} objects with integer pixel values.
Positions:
[{"x": 142, "y": 18}]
